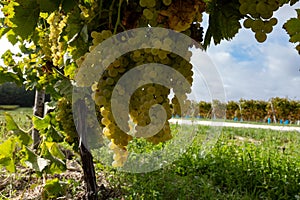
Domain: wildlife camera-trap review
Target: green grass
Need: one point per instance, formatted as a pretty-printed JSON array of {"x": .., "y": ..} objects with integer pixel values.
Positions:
[
  {"x": 268, "y": 168},
  {"x": 251, "y": 122},
  {"x": 9, "y": 107}
]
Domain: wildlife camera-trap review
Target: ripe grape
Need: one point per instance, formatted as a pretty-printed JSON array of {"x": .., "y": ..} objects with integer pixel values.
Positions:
[
  {"x": 167, "y": 2},
  {"x": 260, "y": 36}
]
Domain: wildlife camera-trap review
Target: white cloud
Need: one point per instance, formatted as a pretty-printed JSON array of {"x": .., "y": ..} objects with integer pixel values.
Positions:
[{"x": 259, "y": 71}]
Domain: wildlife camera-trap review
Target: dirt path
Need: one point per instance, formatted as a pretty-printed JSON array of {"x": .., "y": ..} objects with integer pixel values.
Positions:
[{"x": 230, "y": 124}]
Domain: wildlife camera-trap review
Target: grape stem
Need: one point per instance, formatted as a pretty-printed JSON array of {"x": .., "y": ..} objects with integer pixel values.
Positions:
[
  {"x": 119, "y": 16},
  {"x": 110, "y": 14}
]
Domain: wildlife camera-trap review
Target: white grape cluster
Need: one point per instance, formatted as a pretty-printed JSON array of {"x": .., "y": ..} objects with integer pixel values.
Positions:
[
  {"x": 177, "y": 15},
  {"x": 259, "y": 16},
  {"x": 144, "y": 98},
  {"x": 57, "y": 22}
]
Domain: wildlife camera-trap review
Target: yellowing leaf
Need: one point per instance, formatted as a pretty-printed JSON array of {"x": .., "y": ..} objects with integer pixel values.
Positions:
[
  {"x": 10, "y": 123},
  {"x": 41, "y": 123},
  {"x": 23, "y": 137},
  {"x": 54, "y": 150},
  {"x": 7, "y": 149},
  {"x": 34, "y": 161}
]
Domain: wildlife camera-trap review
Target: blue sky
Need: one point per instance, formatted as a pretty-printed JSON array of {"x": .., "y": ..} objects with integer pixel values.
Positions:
[
  {"x": 251, "y": 70},
  {"x": 248, "y": 69}
]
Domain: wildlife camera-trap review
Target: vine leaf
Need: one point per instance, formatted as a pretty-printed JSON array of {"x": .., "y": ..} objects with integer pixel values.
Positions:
[
  {"x": 3, "y": 30},
  {"x": 34, "y": 161},
  {"x": 52, "y": 189},
  {"x": 11, "y": 125},
  {"x": 65, "y": 88},
  {"x": 41, "y": 123},
  {"x": 48, "y": 6},
  {"x": 7, "y": 149},
  {"x": 292, "y": 27},
  {"x": 25, "y": 18},
  {"x": 68, "y": 5},
  {"x": 57, "y": 163},
  {"x": 6, "y": 76},
  {"x": 223, "y": 21}
]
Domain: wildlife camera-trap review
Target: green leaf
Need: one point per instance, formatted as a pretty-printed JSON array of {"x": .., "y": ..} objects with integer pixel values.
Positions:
[
  {"x": 12, "y": 37},
  {"x": 68, "y": 5},
  {"x": 295, "y": 38},
  {"x": 292, "y": 26},
  {"x": 23, "y": 137},
  {"x": 65, "y": 88},
  {"x": 3, "y": 31},
  {"x": 8, "y": 58},
  {"x": 53, "y": 135},
  {"x": 49, "y": 5},
  {"x": 223, "y": 21},
  {"x": 70, "y": 69},
  {"x": 54, "y": 150},
  {"x": 41, "y": 123},
  {"x": 6, "y": 76},
  {"x": 7, "y": 149},
  {"x": 57, "y": 165},
  {"x": 11, "y": 125},
  {"x": 34, "y": 161},
  {"x": 25, "y": 18},
  {"x": 52, "y": 189}
]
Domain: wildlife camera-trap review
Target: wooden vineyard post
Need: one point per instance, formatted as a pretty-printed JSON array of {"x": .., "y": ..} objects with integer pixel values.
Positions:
[
  {"x": 85, "y": 154},
  {"x": 38, "y": 110}
]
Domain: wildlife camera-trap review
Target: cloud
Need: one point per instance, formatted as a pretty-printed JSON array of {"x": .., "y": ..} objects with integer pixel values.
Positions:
[{"x": 259, "y": 71}]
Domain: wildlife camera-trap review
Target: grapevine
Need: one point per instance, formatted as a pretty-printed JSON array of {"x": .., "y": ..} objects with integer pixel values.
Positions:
[
  {"x": 57, "y": 36},
  {"x": 259, "y": 16}
]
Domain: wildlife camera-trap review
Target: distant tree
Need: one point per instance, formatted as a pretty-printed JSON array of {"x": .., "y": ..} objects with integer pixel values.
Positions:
[{"x": 11, "y": 94}]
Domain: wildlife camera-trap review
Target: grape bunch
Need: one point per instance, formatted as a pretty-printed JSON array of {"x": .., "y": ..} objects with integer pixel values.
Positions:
[
  {"x": 259, "y": 16},
  {"x": 181, "y": 14},
  {"x": 57, "y": 22},
  {"x": 64, "y": 117},
  {"x": 138, "y": 113},
  {"x": 151, "y": 105},
  {"x": 260, "y": 27}
]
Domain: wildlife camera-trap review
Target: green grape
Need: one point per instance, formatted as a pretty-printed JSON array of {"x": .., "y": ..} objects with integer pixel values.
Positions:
[
  {"x": 260, "y": 36},
  {"x": 273, "y": 21},
  {"x": 95, "y": 34},
  {"x": 257, "y": 25},
  {"x": 109, "y": 81},
  {"x": 244, "y": 8},
  {"x": 151, "y": 3},
  {"x": 273, "y": 5},
  {"x": 252, "y": 10},
  {"x": 113, "y": 72},
  {"x": 167, "y": 2},
  {"x": 100, "y": 100},
  {"x": 143, "y": 3},
  {"x": 262, "y": 7},
  {"x": 148, "y": 14},
  {"x": 267, "y": 28},
  {"x": 266, "y": 15},
  {"x": 248, "y": 23},
  {"x": 144, "y": 97}
]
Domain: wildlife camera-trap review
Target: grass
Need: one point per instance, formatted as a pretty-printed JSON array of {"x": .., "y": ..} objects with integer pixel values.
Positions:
[
  {"x": 251, "y": 122},
  {"x": 8, "y": 107},
  {"x": 265, "y": 166},
  {"x": 242, "y": 164}
]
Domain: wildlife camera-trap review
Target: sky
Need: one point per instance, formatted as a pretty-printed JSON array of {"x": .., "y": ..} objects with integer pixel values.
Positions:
[
  {"x": 252, "y": 70},
  {"x": 248, "y": 69}
]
